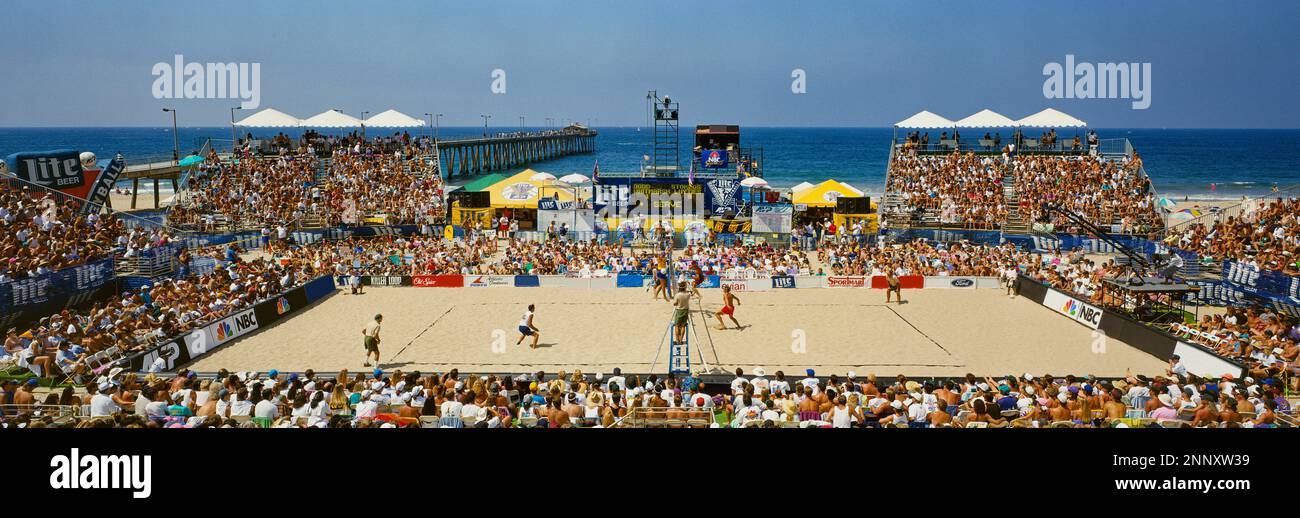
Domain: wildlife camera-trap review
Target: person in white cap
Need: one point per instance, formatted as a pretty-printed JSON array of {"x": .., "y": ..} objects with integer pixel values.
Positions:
[
  {"x": 759, "y": 382},
  {"x": 102, "y": 404}
]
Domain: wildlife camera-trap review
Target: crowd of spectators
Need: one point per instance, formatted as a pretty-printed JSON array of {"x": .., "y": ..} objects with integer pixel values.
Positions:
[
  {"x": 397, "y": 255},
  {"x": 564, "y": 400},
  {"x": 39, "y": 235},
  {"x": 358, "y": 187},
  {"x": 248, "y": 192},
  {"x": 1264, "y": 239},
  {"x": 964, "y": 188},
  {"x": 920, "y": 257},
  {"x": 133, "y": 321},
  {"x": 315, "y": 143},
  {"x": 1104, "y": 192},
  {"x": 967, "y": 190},
  {"x": 1259, "y": 338}
]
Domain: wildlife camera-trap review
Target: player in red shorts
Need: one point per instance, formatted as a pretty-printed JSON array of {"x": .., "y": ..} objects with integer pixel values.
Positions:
[{"x": 729, "y": 302}]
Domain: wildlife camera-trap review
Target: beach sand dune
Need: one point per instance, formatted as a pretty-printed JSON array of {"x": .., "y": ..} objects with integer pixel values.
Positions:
[{"x": 936, "y": 333}]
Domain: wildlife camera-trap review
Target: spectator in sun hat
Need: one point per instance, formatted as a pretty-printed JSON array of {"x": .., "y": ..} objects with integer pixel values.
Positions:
[{"x": 1166, "y": 410}]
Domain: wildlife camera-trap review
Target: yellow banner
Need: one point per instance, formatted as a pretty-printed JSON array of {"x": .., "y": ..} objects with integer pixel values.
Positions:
[{"x": 729, "y": 226}]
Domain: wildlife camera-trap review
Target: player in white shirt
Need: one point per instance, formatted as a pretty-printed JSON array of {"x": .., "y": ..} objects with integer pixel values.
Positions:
[{"x": 526, "y": 328}]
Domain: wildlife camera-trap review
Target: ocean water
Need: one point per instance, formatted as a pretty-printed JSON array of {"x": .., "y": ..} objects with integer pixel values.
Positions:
[{"x": 1181, "y": 162}]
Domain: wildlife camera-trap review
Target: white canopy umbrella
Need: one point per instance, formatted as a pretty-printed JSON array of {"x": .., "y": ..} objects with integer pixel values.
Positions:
[
  {"x": 754, "y": 182},
  {"x": 331, "y": 119},
  {"x": 574, "y": 179},
  {"x": 924, "y": 120},
  {"x": 986, "y": 118},
  {"x": 800, "y": 187},
  {"x": 542, "y": 177},
  {"x": 1050, "y": 118},
  {"x": 393, "y": 119},
  {"x": 269, "y": 118}
]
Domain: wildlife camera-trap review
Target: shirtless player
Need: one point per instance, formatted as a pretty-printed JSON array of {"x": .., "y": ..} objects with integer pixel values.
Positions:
[{"x": 729, "y": 302}]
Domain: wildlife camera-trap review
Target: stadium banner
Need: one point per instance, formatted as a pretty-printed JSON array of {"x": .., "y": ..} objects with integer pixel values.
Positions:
[
  {"x": 29, "y": 299},
  {"x": 560, "y": 281},
  {"x": 782, "y": 281},
  {"x": 1080, "y": 311},
  {"x": 271, "y": 310},
  {"x": 810, "y": 281},
  {"x": 1029, "y": 288},
  {"x": 714, "y": 158},
  {"x": 318, "y": 288},
  {"x": 1204, "y": 363},
  {"x": 711, "y": 281},
  {"x": 386, "y": 280},
  {"x": 242, "y": 239},
  {"x": 172, "y": 352},
  {"x": 630, "y": 280},
  {"x": 58, "y": 170},
  {"x": 385, "y": 230},
  {"x": 489, "y": 281},
  {"x": 772, "y": 218},
  {"x": 738, "y": 285},
  {"x": 102, "y": 185},
  {"x": 730, "y": 226},
  {"x": 438, "y": 281},
  {"x": 199, "y": 341},
  {"x": 906, "y": 282},
  {"x": 943, "y": 282},
  {"x": 759, "y": 284},
  {"x": 846, "y": 282},
  {"x": 740, "y": 274},
  {"x": 527, "y": 281},
  {"x": 601, "y": 283},
  {"x": 988, "y": 282}
]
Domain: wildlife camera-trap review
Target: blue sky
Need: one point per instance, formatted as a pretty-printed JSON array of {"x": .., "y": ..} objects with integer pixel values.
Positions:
[{"x": 1214, "y": 64}]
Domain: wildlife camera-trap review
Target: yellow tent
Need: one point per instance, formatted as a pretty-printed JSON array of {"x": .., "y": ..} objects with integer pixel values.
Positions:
[
  {"x": 522, "y": 192},
  {"x": 824, "y": 194}
]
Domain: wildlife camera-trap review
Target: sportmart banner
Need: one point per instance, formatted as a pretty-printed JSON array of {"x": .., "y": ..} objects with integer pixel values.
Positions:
[{"x": 26, "y": 300}]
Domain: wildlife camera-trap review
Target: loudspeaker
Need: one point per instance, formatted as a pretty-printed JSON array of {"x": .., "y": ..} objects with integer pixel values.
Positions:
[
  {"x": 472, "y": 200},
  {"x": 853, "y": 205}
]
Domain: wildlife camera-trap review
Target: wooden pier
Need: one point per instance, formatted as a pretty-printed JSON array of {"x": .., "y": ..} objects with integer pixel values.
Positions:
[{"x": 469, "y": 156}]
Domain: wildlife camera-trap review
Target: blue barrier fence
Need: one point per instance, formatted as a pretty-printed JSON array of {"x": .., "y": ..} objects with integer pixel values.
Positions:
[{"x": 25, "y": 300}]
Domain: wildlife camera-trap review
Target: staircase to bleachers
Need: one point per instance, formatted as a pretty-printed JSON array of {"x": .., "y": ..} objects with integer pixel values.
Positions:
[
  {"x": 893, "y": 207},
  {"x": 1015, "y": 223}
]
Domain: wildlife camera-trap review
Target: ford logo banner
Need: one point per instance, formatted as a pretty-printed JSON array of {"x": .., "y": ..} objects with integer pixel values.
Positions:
[{"x": 962, "y": 283}]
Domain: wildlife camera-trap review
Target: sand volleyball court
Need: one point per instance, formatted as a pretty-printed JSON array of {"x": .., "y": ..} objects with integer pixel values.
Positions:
[{"x": 936, "y": 333}]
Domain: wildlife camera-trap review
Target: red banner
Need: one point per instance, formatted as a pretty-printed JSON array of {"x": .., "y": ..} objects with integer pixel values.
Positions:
[
  {"x": 907, "y": 282},
  {"x": 438, "y": 281}
]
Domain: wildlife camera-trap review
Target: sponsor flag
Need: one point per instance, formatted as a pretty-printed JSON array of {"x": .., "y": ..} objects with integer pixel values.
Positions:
[
  {"x": 103, "y": 185},
  {"x": 690, "y": 177},
  {"x": 595, "y": 170}
]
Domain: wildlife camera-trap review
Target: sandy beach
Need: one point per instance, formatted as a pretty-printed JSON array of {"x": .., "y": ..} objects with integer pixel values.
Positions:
[
  {"x": 936, "y": 333},
  {"x": 142, "y": 202}
]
